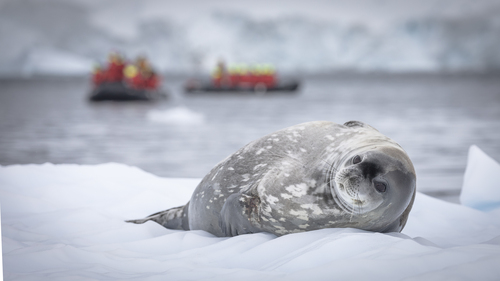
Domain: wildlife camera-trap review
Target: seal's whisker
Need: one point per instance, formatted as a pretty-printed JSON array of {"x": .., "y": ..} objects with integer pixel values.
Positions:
[{"x": 359, "y": 200}]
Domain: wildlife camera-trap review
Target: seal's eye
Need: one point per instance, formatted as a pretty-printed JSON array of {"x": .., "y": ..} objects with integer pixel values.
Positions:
[
  {"x": 380, "y": 186},
  {"x": 356, "y": 159}
]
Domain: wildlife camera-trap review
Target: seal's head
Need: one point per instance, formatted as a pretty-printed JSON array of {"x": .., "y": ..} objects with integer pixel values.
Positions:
[{"x": 374, "y": 185}]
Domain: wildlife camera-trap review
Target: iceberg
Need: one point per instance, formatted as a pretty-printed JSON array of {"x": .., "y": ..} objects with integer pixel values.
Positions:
[
  {"x": 66, "y": 222},
  {"x": 481, "y": 187},
  {"x": 176, "y": 116}
]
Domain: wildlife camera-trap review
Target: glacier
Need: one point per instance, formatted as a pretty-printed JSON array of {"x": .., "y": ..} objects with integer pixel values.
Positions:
[
  {"x": 66, "y": 222},
  {"x": 34, "y": 33}
]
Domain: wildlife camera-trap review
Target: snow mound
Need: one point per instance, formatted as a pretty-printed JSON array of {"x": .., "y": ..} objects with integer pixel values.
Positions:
[
  {"x": 176, "y": 116},
  {"x": 66, "y": 222},
  {"x": 481, "y": 187}
]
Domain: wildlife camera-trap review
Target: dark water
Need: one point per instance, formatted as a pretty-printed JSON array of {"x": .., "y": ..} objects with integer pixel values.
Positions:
[{"x": 435, "y": 118}]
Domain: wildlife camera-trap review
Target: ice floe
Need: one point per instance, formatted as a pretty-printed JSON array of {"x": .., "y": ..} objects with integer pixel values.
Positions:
[
  {"x": 66, "y": 222},
  {"x": 178, "y": 115}
]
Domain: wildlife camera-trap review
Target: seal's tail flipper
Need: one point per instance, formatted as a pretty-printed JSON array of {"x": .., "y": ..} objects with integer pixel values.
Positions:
[{"x": 174, "y": 218}]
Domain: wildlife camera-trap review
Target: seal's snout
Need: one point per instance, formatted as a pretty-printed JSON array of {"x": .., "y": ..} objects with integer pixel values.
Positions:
[
  {"x": 369, "y": 169},
  {"x": 351, "y": 185}
]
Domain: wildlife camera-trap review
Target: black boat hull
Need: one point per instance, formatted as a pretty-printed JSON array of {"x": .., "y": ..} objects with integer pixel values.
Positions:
[
  {"x": 118, "y": 91},
  {"x": 196, "y": 87}
]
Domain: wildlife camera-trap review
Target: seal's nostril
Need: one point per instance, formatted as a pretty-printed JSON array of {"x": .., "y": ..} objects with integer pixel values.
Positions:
[{"x": 380, "y": 186}]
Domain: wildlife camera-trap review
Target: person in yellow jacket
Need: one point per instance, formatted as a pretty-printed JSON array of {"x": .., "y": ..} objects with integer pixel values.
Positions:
[{"x": 141, "y": 75}]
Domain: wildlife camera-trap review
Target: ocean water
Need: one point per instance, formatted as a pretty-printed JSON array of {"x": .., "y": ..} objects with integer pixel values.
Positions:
[{"x": 435, "y": 118}]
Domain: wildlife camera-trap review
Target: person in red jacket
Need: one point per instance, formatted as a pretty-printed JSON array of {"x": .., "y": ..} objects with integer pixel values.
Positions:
[
  {"x": 221, "y": 77},
  {"x": 98, "y": 76},
  {"x": 150, "y": 79},
  {"x": 116, "y": 64}
]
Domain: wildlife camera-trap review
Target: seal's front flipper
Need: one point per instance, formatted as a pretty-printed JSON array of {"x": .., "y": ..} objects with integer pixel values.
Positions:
[
  {"x": 240, "y": 215},
  {"x": 174, "y": 218}
]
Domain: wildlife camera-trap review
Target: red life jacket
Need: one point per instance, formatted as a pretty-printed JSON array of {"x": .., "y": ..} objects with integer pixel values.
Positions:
[
  {"x": 114, "y": 72},
  {"x": 137, "y": 82},
  {"x": 152, "y": 82},
  {"x": 98, "y": 77}
]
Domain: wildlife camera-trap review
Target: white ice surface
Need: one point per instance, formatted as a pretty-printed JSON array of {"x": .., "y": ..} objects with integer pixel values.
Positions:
[{"x": 65, "y": 222}]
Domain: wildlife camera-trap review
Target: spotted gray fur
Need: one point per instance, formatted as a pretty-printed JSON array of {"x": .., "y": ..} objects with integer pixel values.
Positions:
[{"x": 303, "y": 178}]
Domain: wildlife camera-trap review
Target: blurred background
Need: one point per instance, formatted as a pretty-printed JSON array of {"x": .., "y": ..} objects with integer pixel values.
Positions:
[{"x": 425, "y": 73}]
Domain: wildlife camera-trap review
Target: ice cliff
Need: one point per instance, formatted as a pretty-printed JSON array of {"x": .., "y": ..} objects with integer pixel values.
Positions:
[{"x": 63, "y": 37}]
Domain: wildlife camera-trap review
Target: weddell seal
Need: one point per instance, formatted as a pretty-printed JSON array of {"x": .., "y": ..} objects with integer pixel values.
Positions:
[{"x": 309, "y": 176}]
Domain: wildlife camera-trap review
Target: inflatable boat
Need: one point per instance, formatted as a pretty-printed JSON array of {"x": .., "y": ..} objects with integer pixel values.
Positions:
[
  {"x": 119, "y": 91},
  {"x": 200, "y": 86}
]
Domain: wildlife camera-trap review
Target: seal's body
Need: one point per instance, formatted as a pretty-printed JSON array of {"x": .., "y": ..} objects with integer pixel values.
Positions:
[{"x": 306, "y": 177}]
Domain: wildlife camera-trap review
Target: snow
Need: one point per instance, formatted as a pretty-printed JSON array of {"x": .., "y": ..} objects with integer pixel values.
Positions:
[
  {"x": 176, "y": 116},
  {"x": 66, "y": 222}
]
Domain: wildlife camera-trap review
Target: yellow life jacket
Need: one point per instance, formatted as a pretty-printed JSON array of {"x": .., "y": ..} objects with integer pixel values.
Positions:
[{"x": 130, "y": 71}]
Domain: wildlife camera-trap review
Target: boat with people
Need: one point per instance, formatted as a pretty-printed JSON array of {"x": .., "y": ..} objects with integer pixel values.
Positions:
[
  {"x": 259, "y": 79},
  {"x": 122, "y": 81}
]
